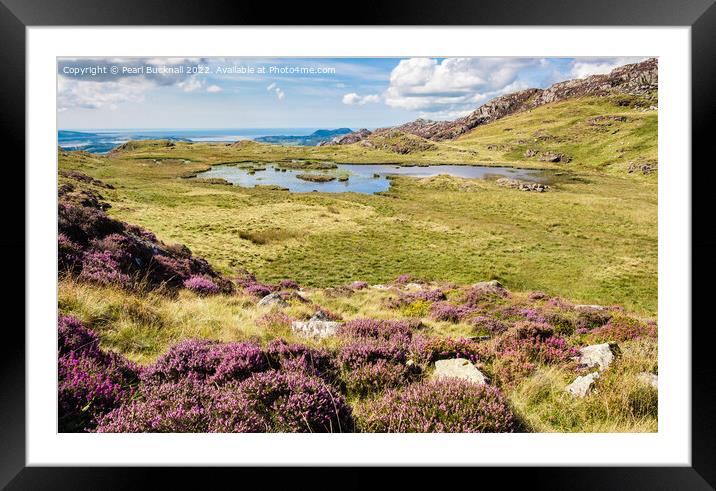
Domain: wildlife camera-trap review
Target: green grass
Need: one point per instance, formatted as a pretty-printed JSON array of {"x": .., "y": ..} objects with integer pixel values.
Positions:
[{"x": 591, "y": 238}]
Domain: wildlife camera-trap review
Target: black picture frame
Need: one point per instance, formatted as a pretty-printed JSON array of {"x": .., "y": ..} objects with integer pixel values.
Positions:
[{"x": 700, "y": 15}]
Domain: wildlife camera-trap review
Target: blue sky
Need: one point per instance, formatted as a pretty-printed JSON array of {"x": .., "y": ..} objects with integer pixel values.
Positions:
[{"x": 120, "y": 93}]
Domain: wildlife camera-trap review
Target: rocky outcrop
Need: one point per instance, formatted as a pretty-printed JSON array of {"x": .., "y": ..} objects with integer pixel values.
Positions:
[
  {"x": 458, "y": 368},
  {"x": 597, "y": 355},
  {"x": 522, "y": 185},
  {"x": 273, "y": 299},
  {"x": 583, "y": 385},
  {"x": 352, "y": 137},
  {"x": 315, "y": 329},
  {"x": 649, "y": 379},
  {"x": 639, "y": 79}
]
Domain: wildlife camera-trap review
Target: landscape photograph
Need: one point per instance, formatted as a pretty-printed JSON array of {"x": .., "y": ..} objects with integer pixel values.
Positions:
[{"x": 357, "y": 245}]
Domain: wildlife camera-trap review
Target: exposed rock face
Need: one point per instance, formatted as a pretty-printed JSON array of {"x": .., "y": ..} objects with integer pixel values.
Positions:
[
  {"x": 646, "y": 167},
  {"x": 458, "y": 368},
  {"x": 597, "y": 355},
  {"x": 582, "y": 386},
  {"x": 353, "y": 137},
  {"x": 273, "y": 299},
  {"x": 522, "y": 185},
  {"x": 635, "y": 79},
  {"x": 315, "y": 329},
  {"x": 554, "y": 157}
]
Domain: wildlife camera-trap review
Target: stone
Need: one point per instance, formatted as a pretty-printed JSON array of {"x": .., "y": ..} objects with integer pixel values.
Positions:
[
  {"x": 319, "y": 316},
  {"x": 379, "y": 287},
  {"x": 315, "y": 329},
  {"x": 458, "y": 368},
  {"x": 522, "y": 185},
  {"x": 413, "y": 286},
  {"x": 597, "y": 355},
  {"x": 589, "y": 307},
  {"x": 582, "y": 385},
  {"x": 649, "y": 379},
  {"x": 273, "y": 299}
]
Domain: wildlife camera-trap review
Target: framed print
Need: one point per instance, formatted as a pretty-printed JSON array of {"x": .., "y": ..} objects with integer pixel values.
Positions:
[{"x": 463, "y": 240}]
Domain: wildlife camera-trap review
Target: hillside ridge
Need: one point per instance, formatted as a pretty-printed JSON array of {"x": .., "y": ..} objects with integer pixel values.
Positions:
[{"x": 633, "y": 79}]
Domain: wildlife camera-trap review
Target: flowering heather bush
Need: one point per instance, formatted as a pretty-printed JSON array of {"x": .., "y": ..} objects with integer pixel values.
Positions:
[
  {"x": 86, "y": 390},
  {"x": 276, "y": 401},
  {"x": 298, "y": 357},
  {"x": 69, "y": 253},
  {"x": 445, "y": 406},
  {"x": 549, "y": 351},
  {"x": 104, "y": 268},
  {"x": 106, "y": 251},
  {"x": 288, "y": 285},
  {"x": 538, "y": 296},
  {"x": 509, "y": 366},
  {"x": 560, "y": 303},
  {"x": 258, "y": 290},
  {"x": 208, "y": 360},
  {"x": 443, "y": 311},
  {"x": 192, "y": 358},
  {"x": 359, "y": 285},
  {"x": 622, "y": 328},
  {"x": 378, "y": 328},
  {"x": 530, "y": 330},
  {"x": 489, "y": 325},
  {"x": 236, "y": 361},
  {"x": 91, "y": 381},
  {"x": 377, "y": 376},
  {"x": 274, "y": 321},
  {"x": 478, "y": 296},
  {"x": 201, "y": 286},
  {"x": 591, "y": 319},
  {"x": 170, "y": 407},
  {"x": 403, "y": 279},
  {"x": 430, "y": 349},
  {"x": 363, "y": 352}
]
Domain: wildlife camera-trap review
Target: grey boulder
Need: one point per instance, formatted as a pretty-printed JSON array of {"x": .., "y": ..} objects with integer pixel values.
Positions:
[
  {"x": 582, "y": 385},
  {"x": 597, "y": 355},
  {"x": 273, "y": 299},
  {"x": 459, "y": 368},
  {"x": 315, "y": 328}
]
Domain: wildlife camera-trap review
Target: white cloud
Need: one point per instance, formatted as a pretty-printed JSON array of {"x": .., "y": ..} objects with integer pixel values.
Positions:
[
  {"x": 355, "y": 99},
  {"x": 190, "y": 84},
  {"x": 271, "y": 87},
  {"x": 584, "y": 67},
  {"x": 280, "y": 93},
  {"x": 95, "y": 95},
  {"x": 214, "y": 88},
  {"x": 454, "y": 84}
]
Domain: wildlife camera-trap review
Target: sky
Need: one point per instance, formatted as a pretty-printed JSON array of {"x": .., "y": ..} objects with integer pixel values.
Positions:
[{"x": 202, "y": 93}]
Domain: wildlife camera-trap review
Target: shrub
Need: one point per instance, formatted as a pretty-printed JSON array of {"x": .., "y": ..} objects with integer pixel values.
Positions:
[
  {"x": 201, "y": 286},
  {"x": 167, "y": 407},
  {"x": 69, "y": 254},
  {"x": 622, "y": 328},
  {"x": 378, "y": 329},
  {"x": 298, "y": 357},
  {"x": 445, "y": 406},
  {"x": 417, "y": 308},
  {"x": 403, "y": 279},
  {"x": 477, "y": 296},
  {"x": 287, "y": 284},
  {"x": 91, "y": 381},
  {"x": 363, "y": 352},
  {"x": 509, "y": 367},
  {"x": 258, "y": 290},
  {"x": 208, "y": 361},
  {"x": 430, "y": 349},
  {"x": 104, "y": 268},
  {"x": 359, "y": 285},
  {"x": 443, "y": 311},
  {"x": 375, "y": 377},
  {"x": 488, "y": 325},
  {"x": 276, "y": 401}
]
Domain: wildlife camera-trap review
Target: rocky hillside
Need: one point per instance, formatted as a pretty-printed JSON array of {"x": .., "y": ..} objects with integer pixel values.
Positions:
[{"x": 639, "y": 79}]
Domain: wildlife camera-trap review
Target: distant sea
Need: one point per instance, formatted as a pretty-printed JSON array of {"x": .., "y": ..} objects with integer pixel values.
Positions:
[{"x": 102, "y": 141}]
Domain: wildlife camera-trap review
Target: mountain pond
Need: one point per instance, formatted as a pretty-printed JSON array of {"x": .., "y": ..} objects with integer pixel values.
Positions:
[{"x": 361, "y": 178}]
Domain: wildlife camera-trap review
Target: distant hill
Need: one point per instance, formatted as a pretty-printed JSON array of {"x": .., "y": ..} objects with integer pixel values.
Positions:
[
  {"x": 311, "y": 140},
  {"x": 638, "y": 79}
]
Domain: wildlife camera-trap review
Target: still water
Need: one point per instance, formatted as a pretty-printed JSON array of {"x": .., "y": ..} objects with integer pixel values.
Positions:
[{"x": 362, "y": 178}]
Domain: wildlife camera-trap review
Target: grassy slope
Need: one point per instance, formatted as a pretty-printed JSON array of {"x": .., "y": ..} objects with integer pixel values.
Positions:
[{"x": 592, "y": 239}]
